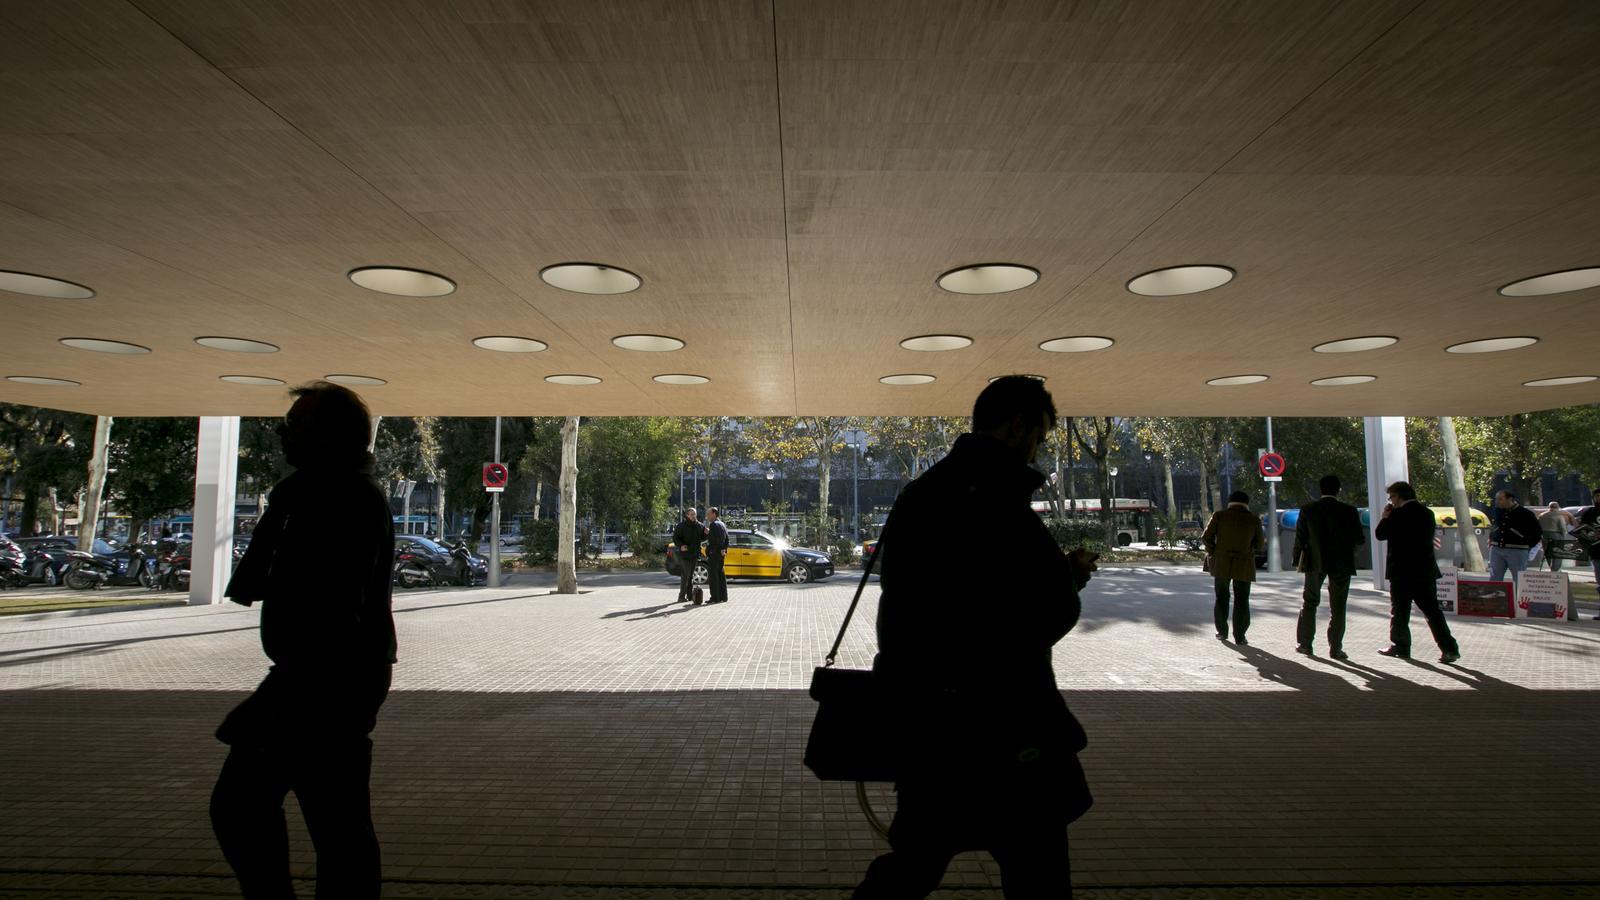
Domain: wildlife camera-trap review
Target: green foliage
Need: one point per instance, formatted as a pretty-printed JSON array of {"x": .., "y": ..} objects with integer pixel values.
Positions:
[
  {"x": 1072, "y": 533},
  {"x": 1312, "y": 448},
  {"x": 1526, "y": 444},
  {"x": 626, "y": 469},
  {"x": 151, "y": 463},
  {"x": 539, "y": 543},
  {"x": 261, "y": 462}
]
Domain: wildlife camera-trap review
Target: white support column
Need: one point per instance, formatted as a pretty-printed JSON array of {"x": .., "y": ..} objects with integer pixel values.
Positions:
[
  {"x": 215, "y": 484},
  {"x": 1386, "y": 464}
]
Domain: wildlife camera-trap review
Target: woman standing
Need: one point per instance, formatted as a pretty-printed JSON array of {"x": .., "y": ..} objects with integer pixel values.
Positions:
[{"x": 1231, "y": 539}]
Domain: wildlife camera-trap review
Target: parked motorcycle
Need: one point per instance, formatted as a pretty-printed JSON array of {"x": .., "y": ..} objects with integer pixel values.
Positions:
[
  {"x": 86, "y": 571},
  {"x": 13, "y": 565},
  {"x": 412, "y": 571},
  {"x": 172, "y": 571}
]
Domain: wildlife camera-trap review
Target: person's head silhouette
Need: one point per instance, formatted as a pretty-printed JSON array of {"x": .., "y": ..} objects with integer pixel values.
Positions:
[
  {"x": 328, "y": 426},
  {"x": 1017, "y": 411}
]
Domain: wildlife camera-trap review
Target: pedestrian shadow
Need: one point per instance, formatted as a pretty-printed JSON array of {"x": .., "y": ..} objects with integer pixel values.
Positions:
[
  {"x": 619, "y": 613},
  {"x": 1291, "y": 673},
  {"x": 671, "y": 609}
]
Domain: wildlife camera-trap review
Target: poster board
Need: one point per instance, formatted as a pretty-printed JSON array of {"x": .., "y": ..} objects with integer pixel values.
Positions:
[
  {"x": 1486, "y": 599},
  {"x": 1445, "y": 589},
  {"x": 1542, "y": 595}
]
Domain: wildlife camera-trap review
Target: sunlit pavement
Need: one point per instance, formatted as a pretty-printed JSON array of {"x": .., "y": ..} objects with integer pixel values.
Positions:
[{"x": 616, "y": 744}]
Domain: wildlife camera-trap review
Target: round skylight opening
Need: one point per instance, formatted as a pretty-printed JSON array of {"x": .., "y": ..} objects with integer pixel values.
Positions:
[
  {"x": 907, "y": 378},
  {"x": 1554, "y": 283},
  {"x": 590, "y": 278},
  {"x": 572, "y": 379},
  {"x": 1080, "y": 344},
  {"x": 101, "y": 345},
  {"x": 44, "y": 381},
  {"x": 1234, "y": 380},
  {"x": 402, "y": 282},
  {"x": 1560, "y": 381},
  {"x": 988, "y": 278},
  {"x": 355, "y": 380},
  {"x": 1342, "y": 380},
  {"x": 43, "y": 286},
  {"x": 1492, "y": 345},
  {"x": 933, "y": 343},
  {"x": 1356, "y": 344},
  {"x": 649, "y": 343},
  {"x": 236, "y": 345},
  {"x": 1177, "y": 280},
  {"x": 254, "y": 380},
  {"x": 505, "y": 343},
  {"x": 681, "y": 378}
]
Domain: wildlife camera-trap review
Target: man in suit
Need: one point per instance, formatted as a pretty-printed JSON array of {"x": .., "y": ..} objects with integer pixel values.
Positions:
[
  {"x": 1232, "y": 538},
  {"x": 716, "y": 553},
  {"x": 1325, "y": 541},
  {"x": 1408, "y": 528},
  {"x": 688, "y": 536}
]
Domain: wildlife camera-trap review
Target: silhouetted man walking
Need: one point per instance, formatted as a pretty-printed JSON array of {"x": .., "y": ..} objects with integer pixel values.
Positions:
[
  {"x": 327, "y": 627},
  {"x": 989, "y": 760},
  {"x": 1232, "y": 538},
  {"x": 716, "y": 555},
  {"x": 688, "y": 536},
  {"x": 1325, "y": 542},
  {"x": 1413, "y": 572}
]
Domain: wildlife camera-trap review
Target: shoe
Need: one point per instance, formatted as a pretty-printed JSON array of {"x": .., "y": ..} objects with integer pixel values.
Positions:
[
  {"x": 1395, "y": 652},
  {"x": 1448, "y": 657},
  {"x": 1339, "y": 654},
  {"x": 1221, "y": 636},
  {"x": 1241, "y": 642},
  {"x": 1304, "y": 648}
]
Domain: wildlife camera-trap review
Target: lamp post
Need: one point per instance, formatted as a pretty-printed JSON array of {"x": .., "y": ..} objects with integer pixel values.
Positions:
[
  {"x": 771, "y": 475},
  {"x": 856, "y": 437}
]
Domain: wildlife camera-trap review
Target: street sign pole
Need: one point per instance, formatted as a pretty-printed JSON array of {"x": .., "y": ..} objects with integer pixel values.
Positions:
[
  {"x": 1274, "y": 564},
  {"x": 494, "y": 519}
]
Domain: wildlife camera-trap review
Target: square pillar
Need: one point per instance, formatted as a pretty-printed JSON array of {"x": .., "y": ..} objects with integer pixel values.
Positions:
[
  {"x": 1386, "y": 464},
  {"x": 216, "y": 480}
]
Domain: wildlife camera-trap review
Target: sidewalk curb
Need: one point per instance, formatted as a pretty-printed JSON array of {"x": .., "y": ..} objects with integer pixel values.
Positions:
[{"x": 95, "y": 610}]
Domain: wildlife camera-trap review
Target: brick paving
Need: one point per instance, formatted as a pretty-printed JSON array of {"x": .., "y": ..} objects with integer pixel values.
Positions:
[{"x": 615, "y": 744}]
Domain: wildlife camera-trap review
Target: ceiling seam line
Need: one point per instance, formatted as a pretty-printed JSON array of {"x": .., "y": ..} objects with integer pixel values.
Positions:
[
  {"x": 374, "y": 188},
  {"x": 1156, "y": 220},
  {"x": 783, "y": 191}
]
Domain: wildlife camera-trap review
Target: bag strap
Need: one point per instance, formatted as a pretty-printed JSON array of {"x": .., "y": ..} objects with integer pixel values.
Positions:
[{"x": 867, "y": 573}]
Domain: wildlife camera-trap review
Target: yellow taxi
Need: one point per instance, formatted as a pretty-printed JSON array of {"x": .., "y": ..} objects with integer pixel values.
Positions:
[
  {"x": 1445, "y": 516},
  {"x": 756, "y": 554}
]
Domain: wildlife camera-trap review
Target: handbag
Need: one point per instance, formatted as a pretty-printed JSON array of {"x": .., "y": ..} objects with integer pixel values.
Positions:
[{"x": 852, "y": 736}]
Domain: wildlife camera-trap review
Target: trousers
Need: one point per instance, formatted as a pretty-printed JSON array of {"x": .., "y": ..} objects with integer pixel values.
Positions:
[
  {"x": 1241, "y": 607},
  {"x": 1422, "y": 592},
  {"x": 1338, "y": 596}
]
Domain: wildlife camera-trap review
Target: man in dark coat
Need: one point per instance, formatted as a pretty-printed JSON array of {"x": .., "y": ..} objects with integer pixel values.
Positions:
[
  {"x": 1515, "y": 533},
  {"x": 687, "y": 537},
  {"x": 327, "y": 627},
  {"x": 1325, "y": 542},
  {"x": 1231, "y": 539},
  {"x": 989, "y": 760},
  {"x": 716, "y": 555},
  {"x": 1408, "y": 528}
]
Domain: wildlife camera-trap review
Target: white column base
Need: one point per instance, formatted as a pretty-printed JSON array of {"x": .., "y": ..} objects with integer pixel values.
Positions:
[
  {"x": 1386, "y": 464},
  {"x": 215, "y": 485}
]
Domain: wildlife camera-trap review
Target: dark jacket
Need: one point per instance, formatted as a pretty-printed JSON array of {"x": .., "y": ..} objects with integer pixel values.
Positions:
[
  {"x": 689, "y": 534},
  {"x": 1326, "y": 537},
  {"x": 1516, "y": 527},
  {"x": 968, "y": 659},
  {"x": 1232, "y": 537},
  {"x": 1409, "y": 532},
  {"x": 716, "y": 537}
]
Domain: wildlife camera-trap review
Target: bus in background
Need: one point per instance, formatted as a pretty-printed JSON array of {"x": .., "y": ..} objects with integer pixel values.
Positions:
[{"x": 1132, "y": 516}]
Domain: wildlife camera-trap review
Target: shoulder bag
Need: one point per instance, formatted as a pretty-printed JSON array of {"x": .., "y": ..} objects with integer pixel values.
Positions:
[{"x": 852, "y": 735}]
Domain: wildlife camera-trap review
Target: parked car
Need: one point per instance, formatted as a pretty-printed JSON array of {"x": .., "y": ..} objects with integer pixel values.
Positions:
[{"x": 756, "y": 554}]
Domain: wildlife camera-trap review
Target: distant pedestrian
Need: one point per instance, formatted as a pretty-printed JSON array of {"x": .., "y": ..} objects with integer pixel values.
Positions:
[
  {"x": 716, "y": 554},
  {"x": 1232, "y": 538},
  {"x": 1516, "y": 531},
  {"x": 1413, "y": 572},
  {"x": 1325, "y": 542},
  {"x": 688, "y": 536},
  {"x": 1555, "y": 523},
  {"x": 327, "y": 627}
]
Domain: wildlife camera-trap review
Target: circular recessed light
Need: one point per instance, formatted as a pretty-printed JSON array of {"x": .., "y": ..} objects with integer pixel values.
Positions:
[
  {"x": 257, "y": 380},
  {"x": 1171, "y": 282},
  {"x": 935, "y": 342},
  {"x": 988, "y": 278},
  {"x": 1356, "y": 344},
  {"x": 1558, "y": 382},
  {"x": 651, "y": 343},
  {"x": 1341, "y": 380},
  {"x": 1232, "y": 380},
  {"x": 1492, "y": 345},
  {"x": 356, "y": 380},
  {"x": 99, "y": 345},
  {"x": 402, "y": 282},
  {"x": 906, "y": 379},
  {"x": 43, "y": 286},
  {"x": 40, "y": 379},
  {"x": 508, "y": 344},
  {"x": 590, "y": 278},
  {"x": 681, "y": 379},
  {"x": 1554, "y": 283},
  {"x": 1076, "y": 344},
  {"x": 1017, "y": 375},
  {"x": 236, "y": 345},
  {"x": 572, "y": 379}
]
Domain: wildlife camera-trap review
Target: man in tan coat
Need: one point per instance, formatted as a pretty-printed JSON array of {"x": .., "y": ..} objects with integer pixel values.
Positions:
[{"x": 1231, "y": 540}]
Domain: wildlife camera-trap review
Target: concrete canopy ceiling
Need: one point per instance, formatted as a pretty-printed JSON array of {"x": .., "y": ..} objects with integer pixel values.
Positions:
[{"x": 789, "y": 178}]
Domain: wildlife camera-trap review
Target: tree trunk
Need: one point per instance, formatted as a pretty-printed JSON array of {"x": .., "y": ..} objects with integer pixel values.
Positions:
[
  {"x": 28, "y": 527},
  {"x": 567, "y": 518},
  {"x": 1519, "y": 456},
  {"x": 1205, "y": 489},
  {"x": 1058, "y": 509},
  {"x": 1107, "y": 511},
  {"x": 94, "y": 491},
  {"x": 1471, "y": 554},
  {"x": 372, "y": 439},
  {"x": 538, "y": 497},
  {"x": 438, "y": 501},
  {"x": 824, "y": 471},
  {"x": 1072, "y": 470},
  {"x": 1172, "y": 497},
  {"x": 55, "y": 513}
]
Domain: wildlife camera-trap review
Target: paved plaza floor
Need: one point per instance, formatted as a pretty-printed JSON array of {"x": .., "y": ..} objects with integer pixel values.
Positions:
[{"x": 614, "y": 744}]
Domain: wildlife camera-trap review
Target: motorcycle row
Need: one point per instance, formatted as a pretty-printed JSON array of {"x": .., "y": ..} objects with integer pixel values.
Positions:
[{"x": 419, "y": 564}]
